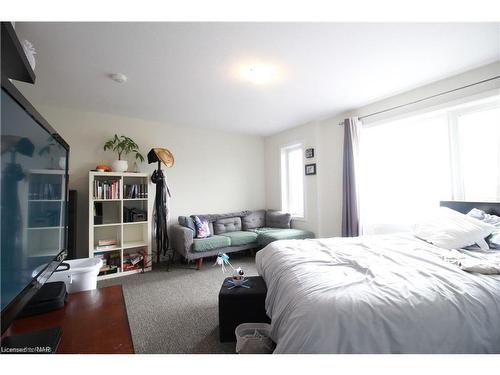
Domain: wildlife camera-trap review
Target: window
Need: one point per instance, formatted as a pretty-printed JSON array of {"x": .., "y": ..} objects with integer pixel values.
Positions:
[
  {"x": 409, "y": 165},
  {"x": 476, "y": 134},
  {"x": 292, "y": 180}
]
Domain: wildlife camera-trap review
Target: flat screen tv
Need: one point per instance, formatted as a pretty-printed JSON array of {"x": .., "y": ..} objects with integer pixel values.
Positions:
[{"x": 34, "y": 194}]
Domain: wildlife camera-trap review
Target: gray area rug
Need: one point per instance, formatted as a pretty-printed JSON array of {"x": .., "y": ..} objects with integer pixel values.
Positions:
[{"x": 177, "y": 311}]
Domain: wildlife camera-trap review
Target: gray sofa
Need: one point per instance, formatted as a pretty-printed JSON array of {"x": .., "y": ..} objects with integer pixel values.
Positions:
[{"x": 233, "y": 232}]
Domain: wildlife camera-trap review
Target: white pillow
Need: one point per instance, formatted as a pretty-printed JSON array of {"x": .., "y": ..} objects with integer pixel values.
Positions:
[{"x": 450, "y": 229}]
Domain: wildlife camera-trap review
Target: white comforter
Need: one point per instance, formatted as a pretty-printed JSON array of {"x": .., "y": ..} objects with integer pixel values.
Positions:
[{"x": 377, "y": 294}]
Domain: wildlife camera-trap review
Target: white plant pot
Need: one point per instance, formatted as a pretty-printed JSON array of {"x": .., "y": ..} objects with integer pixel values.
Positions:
[
  {"x": 120, "y": 166},
  {"x": 62, "y": 162}
]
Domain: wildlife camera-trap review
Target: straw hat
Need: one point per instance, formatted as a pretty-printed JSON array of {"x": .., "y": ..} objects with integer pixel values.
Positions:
[{"x": 161, "y": 154}]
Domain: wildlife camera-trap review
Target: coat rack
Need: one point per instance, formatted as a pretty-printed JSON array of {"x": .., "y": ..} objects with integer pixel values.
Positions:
[{"x": 161, "y": 206}]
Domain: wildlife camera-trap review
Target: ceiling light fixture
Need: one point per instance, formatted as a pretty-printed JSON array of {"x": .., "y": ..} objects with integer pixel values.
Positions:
[
  {"x": 118, "y": 77},
  {"x": 259, "y": 74}
]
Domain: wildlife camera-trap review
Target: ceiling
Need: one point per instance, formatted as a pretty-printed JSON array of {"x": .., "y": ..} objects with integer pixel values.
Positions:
[{"x": 186, "y": 73}]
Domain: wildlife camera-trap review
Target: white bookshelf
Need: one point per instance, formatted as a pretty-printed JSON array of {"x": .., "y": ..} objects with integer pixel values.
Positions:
[
  {"x": 107, "y": 221},
  {"x": 45, "y": 209}
]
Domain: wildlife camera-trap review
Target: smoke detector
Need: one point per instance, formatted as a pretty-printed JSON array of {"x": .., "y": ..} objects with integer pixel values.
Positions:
[{"x": 118, "y": 77}]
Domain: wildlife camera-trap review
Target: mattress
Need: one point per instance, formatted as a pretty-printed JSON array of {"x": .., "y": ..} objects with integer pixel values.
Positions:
[{"x": 378, "y": 294}]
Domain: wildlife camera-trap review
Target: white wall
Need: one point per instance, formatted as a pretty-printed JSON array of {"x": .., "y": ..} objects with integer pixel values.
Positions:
[
  {"x": 214, "y": 171},
  {"x": 324, "y": 191}
]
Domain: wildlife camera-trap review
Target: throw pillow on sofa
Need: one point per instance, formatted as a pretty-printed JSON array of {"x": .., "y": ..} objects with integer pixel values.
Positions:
[
  {"x": 202, "y": 228},
  {"x": 254, "y": 219},
  {"x": 188, "y": 222},
  {"x": 278, "y": 219}
]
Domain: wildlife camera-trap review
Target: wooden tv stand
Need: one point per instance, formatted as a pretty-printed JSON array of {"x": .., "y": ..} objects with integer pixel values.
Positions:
[{"x": 92, "y": 322}]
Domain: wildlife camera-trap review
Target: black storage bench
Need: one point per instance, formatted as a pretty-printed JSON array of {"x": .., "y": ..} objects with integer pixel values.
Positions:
[{"x": 241, "y": 305}]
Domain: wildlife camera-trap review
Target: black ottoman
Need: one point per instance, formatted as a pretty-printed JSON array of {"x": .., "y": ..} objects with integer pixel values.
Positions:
[{"x": 241, "y": 305}]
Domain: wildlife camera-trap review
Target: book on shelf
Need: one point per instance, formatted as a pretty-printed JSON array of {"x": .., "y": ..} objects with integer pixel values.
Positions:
[
  {"x": 134, "y": 260},
  {"x": 134, "y": 191},
  {"x": 107, "y": 242},
  {"x": 114, "y": 258},
  {"x": 108, "y": 269},
  {"x": 111, "y": 262},
  {"x": 106, "y": 189},
  {"x": 130, "y": 267}
]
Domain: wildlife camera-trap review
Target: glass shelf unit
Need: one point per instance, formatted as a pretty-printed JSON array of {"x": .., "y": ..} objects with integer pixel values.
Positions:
[{"x": 44, "y": 210}]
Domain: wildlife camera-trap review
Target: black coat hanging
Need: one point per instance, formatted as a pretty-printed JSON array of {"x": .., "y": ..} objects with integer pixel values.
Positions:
[{"x": 161, "y": 206}]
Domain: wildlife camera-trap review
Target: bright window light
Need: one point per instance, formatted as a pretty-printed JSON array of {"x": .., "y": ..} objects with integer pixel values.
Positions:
[
  {"x": 409, "y": 165},
  {"x": 292, "y": 180},
  {"x": 404, "y": 172},
  {"x": 478, "y": 134}
]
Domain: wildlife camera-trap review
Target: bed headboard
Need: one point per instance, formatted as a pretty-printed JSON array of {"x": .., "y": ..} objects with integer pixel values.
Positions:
[{"x": 492, "y": 208}]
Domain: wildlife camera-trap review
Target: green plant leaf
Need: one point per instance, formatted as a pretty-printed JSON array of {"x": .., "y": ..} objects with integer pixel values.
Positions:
[
  {"x": 139, "y": 156},
  {"x": 123, "y": 145}
]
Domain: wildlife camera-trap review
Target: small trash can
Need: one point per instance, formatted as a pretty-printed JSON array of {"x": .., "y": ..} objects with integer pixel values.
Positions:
[
  {"x": 78, "y": 274},
  {"x": 254, "y": 338}
]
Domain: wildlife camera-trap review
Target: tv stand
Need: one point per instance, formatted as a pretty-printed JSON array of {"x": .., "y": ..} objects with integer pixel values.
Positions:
[{"x": 44, "y": 341}]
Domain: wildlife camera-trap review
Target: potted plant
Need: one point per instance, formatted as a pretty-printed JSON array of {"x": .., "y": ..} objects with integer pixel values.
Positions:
[{"x": 122, "y": 145}]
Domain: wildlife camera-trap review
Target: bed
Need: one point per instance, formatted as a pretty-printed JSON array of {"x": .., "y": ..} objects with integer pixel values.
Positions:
[{"x": 379, "y": 294}]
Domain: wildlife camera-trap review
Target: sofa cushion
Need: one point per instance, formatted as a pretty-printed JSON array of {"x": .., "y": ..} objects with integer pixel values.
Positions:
[
  {"x": 255, "y": 219},
  {"x": 240, "y": 238},
  {"x": 266, "y": 238},
  {"x": 187, "y": 222},
  {"x": 210, "y": 243},
  {"x": 229, "y": 224},
  {"x": 262, "y": 230},
  {"x": 278, "y": 219}
]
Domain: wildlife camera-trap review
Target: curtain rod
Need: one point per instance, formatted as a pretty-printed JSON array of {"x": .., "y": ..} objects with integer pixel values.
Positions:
[{"x": 426, "y": 98}]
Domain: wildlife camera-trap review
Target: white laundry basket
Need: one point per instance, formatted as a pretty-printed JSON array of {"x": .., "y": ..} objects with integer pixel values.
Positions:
[
  {"x": 254, "y": 338},
  {"x": 78, "y": 274}
]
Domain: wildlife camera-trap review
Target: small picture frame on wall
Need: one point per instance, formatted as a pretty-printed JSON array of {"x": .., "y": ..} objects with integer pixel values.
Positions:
[
  {"x": 309, "y": 153},
  {"x": 310, "y": 169}
]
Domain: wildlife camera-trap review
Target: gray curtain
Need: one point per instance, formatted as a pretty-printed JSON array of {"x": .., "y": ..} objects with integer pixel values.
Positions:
[{"x": 350, "y": 198}]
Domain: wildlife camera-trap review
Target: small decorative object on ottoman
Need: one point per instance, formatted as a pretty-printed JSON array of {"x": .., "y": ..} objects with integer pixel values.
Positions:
[
  {"x": 241, "y": 305},
  {"x": 238, "y": 280}
]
